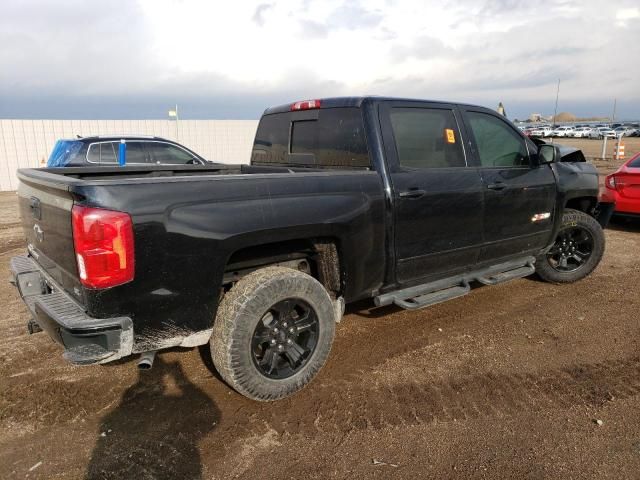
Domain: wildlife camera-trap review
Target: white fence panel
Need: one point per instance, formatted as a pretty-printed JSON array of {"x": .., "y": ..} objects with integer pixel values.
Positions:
[{"x": 28, "y": 143}]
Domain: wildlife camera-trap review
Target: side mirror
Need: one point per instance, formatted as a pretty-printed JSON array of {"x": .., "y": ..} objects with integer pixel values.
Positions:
[{"x": 547, "y": 153}]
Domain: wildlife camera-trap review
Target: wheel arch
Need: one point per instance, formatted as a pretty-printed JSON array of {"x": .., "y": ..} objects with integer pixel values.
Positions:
[
  {"x": 586, "y": 204},
  {"x": 321, "y": 257}
]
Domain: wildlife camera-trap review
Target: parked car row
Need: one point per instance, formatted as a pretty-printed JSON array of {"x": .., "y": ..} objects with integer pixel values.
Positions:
[{"x": 580, "y": 131}]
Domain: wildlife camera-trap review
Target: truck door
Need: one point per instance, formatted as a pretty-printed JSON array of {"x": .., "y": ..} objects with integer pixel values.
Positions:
[
  {"x": 520, "y": 195},
  {"x": 437, "y": 197}
]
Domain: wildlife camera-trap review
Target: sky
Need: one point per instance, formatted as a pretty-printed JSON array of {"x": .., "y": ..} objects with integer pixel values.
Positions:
[{"x": 85, "y": 59}]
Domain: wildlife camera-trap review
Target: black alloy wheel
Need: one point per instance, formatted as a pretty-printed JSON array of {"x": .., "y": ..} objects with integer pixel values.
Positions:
[
  {"x": 572, "y": 249},
  {"x": 285, "y": 338}
]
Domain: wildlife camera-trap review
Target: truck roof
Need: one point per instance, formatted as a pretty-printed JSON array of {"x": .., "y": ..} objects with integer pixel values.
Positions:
[{"x": 334, "y": 102}]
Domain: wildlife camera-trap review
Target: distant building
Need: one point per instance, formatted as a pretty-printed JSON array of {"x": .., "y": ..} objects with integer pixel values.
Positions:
[
  {"x": 501, "y": 109},
  {"x": 538, "y": 117}
]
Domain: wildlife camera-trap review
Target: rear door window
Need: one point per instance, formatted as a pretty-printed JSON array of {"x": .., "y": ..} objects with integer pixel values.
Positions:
[
  {"x": 167, "y": 154},
  {"x": 135, "y": 153},
  {"x": 635, "y": 163},
  {"x": 332, "y": 137},
  {"x": 427, "y": 138}
]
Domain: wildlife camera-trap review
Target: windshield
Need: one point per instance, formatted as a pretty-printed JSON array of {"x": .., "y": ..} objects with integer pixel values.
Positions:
[{"x": 63, "y": 152}]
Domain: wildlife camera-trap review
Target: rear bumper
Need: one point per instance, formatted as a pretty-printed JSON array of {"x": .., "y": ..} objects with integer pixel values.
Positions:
[{"x": 86, "y": 340}]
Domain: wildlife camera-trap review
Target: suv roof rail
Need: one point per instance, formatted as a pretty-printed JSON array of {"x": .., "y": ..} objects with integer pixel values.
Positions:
[{"x": 126, "y": 136}]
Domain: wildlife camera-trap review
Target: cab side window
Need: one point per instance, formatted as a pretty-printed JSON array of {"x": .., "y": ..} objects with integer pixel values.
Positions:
[
  {"x": 427, "y": 138},
  {"x": 497, "y": 144}
]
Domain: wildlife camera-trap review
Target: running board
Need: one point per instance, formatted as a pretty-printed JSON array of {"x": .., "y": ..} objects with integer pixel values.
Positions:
[
  {"x": 502, "y": 277},
  {"x": 433, "y": 298},
  {"x": 439, "y": 291}
]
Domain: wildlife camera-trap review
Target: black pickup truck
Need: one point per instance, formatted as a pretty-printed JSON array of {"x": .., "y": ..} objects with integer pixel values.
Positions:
[{"x": 403, "y": 201}]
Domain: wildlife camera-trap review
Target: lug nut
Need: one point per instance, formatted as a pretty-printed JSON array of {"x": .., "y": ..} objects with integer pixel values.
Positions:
[
  {"x": 284, "y": 324},
  {"x": 288, "y": 340},
  {"x": 280, "y": 347},
  {"x": 291, "y": 330},
  {"x": 273, "y": 341},
  {"x": 275, "y": 330}
]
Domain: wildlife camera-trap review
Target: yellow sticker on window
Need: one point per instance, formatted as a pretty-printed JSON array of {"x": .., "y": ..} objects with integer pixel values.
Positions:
[{"x": 451, "y": 136}]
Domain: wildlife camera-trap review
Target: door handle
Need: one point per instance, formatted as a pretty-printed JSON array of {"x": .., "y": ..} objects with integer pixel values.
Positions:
[
  {"x": 412, "y": 193},
  {"x": 497, "y": 186}
]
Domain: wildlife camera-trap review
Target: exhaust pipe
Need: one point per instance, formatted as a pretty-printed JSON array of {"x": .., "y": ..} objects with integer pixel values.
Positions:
[{"x": 146, "y": 360}]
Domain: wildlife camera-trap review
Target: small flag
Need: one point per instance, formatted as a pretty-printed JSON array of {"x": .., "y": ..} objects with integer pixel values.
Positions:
[{"x": 173, "y": 113}]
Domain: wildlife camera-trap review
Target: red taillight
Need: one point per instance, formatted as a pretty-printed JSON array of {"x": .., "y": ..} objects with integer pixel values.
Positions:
[
  {"x": 610, "y": 182},
  {"x": 305, "y": 105},
  {"x": 103, "y": 241}
]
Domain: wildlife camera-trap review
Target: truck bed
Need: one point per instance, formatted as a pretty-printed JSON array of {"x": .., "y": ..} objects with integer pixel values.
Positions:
[{"x": 189, "y": 223}]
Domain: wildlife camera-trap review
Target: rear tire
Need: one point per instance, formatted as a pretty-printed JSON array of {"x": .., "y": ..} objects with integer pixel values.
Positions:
[
  {"x": 577, "y": 250},
  {"x": 272, "y": 333}
]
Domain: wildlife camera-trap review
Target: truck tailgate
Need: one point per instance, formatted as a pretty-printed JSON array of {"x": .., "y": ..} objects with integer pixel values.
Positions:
[{"x": 45, "y": 211}]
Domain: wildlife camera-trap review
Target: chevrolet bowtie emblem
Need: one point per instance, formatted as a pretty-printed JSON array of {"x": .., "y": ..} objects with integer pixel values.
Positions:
[{"x": 39, "y": 232}]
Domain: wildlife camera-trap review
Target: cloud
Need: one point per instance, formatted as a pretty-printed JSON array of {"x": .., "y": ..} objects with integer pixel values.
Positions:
[
  {"x": 77, "y": 58},
  {"x": 258, "y": 15},
  {"x": 310, "y": 29},
  {"x": 624, "y": 15},
  {"x": 352, "y": 15},
  {"x": 422, "y": 48}
]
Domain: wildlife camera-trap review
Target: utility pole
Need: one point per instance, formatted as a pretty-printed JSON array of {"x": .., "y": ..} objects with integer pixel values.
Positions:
[
  {"x": 555, "y": 109},
  {"x": 613, "y": 119},
  {"x": 604, "y": 138},
  {"x": 174, "y": 113},
  {"x": 177, "y": 124},
  {"x": 613, "y": 115}
]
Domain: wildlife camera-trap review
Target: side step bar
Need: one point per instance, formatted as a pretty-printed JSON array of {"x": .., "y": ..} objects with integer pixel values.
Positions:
[
  {"x": 439, "y": 291},
  {"x": 502, "y": 277},
  {"x": 434, "y": 297}
]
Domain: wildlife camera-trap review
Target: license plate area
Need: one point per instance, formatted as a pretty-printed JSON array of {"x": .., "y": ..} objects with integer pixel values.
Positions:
[{"x": 31, "y": 283}]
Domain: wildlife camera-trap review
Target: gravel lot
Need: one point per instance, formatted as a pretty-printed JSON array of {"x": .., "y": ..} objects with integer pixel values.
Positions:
[{"x": 507, "y": 382}]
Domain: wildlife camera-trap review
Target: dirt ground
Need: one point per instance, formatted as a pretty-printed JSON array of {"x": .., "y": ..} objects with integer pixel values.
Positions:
[{"x": 524, "y": 380}]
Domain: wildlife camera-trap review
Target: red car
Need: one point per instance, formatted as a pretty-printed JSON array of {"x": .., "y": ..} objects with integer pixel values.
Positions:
[{"x": 623, "y": 187}]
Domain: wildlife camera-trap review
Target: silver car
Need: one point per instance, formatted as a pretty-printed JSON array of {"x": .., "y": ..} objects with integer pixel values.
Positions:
[
  {"x": 601, "y": 132},
  {"x": 541, "y": 132},
  {"x": 580, "y": 132}
]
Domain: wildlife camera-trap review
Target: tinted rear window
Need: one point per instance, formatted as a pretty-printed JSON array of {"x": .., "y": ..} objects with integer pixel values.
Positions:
[{"x": 332, "y": 137}]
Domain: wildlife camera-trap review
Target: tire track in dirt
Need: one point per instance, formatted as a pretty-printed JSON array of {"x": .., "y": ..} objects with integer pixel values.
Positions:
[
  {"x": 7, "y": 246},
  {"x": 348, "y": 406}
]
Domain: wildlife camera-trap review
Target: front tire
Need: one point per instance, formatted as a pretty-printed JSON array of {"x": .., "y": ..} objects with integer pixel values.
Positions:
[
  {"x": 272, "y": 333},
  {"x": 576, "y": 252}
]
